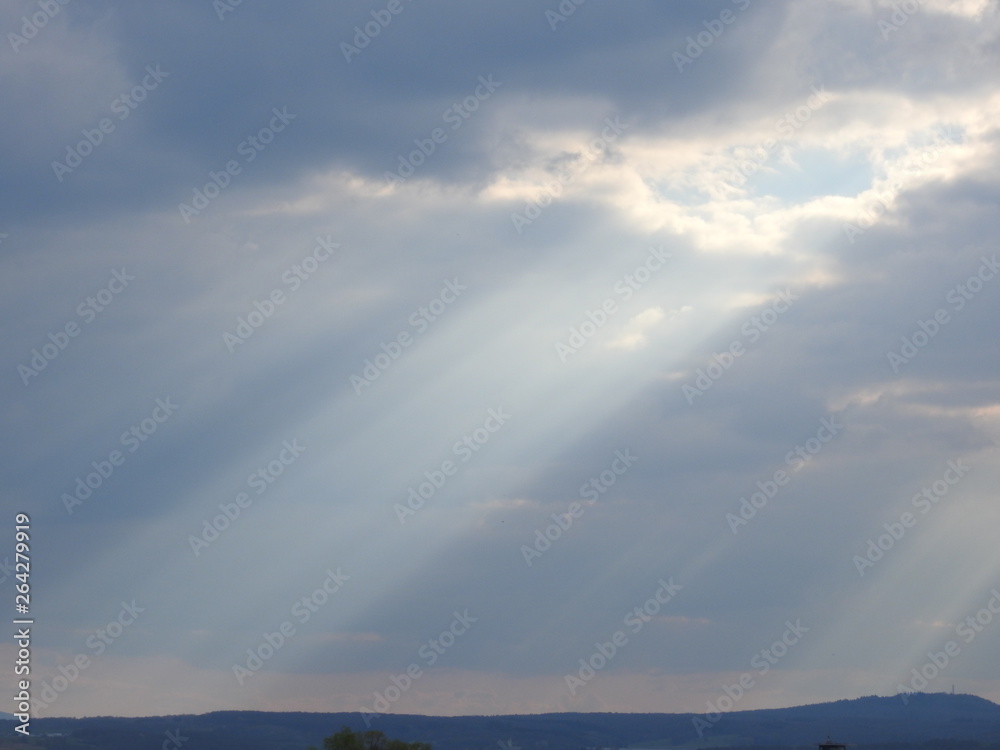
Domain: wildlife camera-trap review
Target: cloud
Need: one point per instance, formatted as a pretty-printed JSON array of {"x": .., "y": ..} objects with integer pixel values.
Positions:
[{"x": 695, "y": 267}]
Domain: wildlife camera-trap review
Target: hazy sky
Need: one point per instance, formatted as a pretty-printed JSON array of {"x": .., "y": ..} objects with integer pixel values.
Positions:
[{"x": 400, "y": 351}]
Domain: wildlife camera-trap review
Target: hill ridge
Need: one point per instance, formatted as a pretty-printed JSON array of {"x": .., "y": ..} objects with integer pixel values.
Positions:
[{"x": 877, "y": 722}]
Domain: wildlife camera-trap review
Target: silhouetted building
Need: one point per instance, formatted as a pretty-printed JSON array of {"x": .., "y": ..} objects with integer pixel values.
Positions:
[{"x": 830, "y": 745}]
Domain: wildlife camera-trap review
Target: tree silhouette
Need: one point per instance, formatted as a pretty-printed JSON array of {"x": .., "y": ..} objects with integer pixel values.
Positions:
[{"x": 348, "y": 739}]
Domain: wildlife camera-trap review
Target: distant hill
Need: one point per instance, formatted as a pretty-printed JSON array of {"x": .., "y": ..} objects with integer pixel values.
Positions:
[{"x": 923, "y": 721}]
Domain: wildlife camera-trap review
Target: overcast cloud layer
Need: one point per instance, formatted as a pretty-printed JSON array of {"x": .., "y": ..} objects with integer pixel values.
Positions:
[{"x": 399, "y": 351}]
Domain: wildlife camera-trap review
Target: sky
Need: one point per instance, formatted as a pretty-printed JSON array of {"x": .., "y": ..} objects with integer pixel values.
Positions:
[{"x": 490, "y": 358}]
